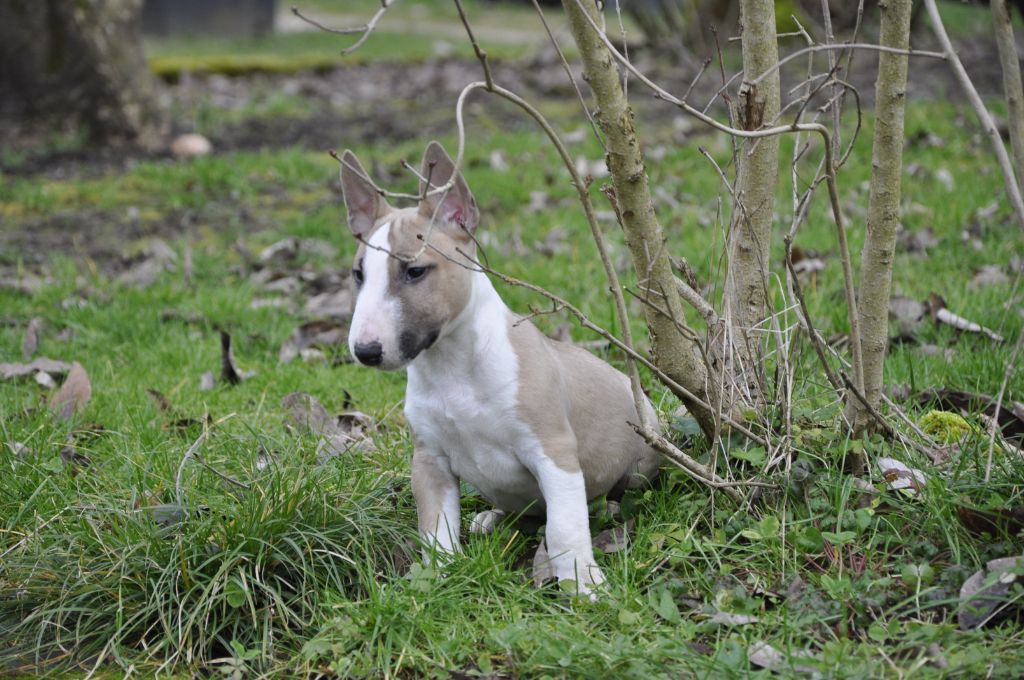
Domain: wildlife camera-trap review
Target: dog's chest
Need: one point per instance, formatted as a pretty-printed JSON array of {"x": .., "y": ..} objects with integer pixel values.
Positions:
[{"x": 468, "y": 413}]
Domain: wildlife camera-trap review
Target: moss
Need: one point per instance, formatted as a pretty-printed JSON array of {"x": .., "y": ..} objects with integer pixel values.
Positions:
[{"x": 945, "y": 425}]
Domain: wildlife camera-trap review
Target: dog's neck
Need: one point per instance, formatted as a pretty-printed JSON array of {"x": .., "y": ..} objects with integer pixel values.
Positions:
[{"x": 468, "y": 338}]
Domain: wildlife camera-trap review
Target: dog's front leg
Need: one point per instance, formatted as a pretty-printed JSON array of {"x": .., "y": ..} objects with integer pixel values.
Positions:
[
  {"x": 568, "y": 528},
  {"x": 436, "y": 491}
]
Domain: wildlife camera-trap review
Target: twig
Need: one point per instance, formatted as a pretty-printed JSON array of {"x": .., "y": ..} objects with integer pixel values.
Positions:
[
  {"x": 568, "y": 72},
  {"x": 987, "y": 124},
  {"x": 366, "y": 29},
  {"x": 832, "y": 47},
  {"x": 178, "y": 494},
  {"x": 1011, "y": 366}
]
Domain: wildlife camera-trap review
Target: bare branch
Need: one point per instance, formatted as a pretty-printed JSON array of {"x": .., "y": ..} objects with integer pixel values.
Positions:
[
  {"x": 987, "y": 124},
  {"x": 365, "y": 29}
]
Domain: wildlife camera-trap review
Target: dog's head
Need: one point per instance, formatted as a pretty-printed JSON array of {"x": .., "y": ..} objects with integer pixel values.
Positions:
[{"x": 412, "y": 280}]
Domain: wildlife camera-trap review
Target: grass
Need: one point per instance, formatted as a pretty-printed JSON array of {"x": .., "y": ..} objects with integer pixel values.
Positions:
[{"x": 312, "y": 567}]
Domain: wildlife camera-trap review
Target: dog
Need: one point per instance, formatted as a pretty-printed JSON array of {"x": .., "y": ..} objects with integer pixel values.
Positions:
[{"x": 535, "y": 425}]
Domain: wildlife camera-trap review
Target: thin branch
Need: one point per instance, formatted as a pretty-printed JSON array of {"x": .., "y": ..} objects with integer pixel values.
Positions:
[
  {"x": 365, "y": 29},
  {"x": 832, "y": 47},
  {"x": 987, "y": 124}
]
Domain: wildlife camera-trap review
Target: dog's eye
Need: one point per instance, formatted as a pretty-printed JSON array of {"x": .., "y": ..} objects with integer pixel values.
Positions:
[
  {"x": 357, "y": 274},
  {"x": 415, "y": 273}
]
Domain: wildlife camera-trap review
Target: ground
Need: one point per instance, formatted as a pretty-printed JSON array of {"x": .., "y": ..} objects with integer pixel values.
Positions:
[{"x": 266, "y": 551}]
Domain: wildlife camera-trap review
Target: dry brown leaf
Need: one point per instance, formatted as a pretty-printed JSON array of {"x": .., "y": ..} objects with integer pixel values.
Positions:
[
  {"x": 939, "y": 312},
  {"x": 74, "y": 395},
  {"x": 987, "y": 593},
  {"x": 543, "y": 570},
  {"x": 51, "y": 366},
  {"x": 229, "y": 372},
  {"x": 989, "y": 275},
  {"x": 331, "y": 305},
  {"x": 338, "y": 434},
  {"x": 30, "y": 343},
  {"x": 614, "y": 539},
  {"x": 323, "y": 334}
]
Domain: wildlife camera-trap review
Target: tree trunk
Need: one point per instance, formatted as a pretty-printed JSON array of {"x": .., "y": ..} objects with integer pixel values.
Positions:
[
  {"x": 674, "y": 354},
  {"x": 746, "y": 283},
  {"x": 1012, "y": 88},
  {"x": 82, "y": 61},
  {"x": 883, "y": 206}
]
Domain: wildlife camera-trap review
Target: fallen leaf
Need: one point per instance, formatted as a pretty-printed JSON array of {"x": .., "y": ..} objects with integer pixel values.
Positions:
[
  {"x": 498, "y": 162},
  {"x": 74, "y": 395},
  {"x": 916, "y": 241},
  {"x": 543, "y": 570},
  {"x": 45, "y": 380},
  {"x": 30, "y": 343},
  {"x": 989, "y": 275},
  {"x": 996, "y": 522},
  {"x": 333, "y": 305},
  {"x": 25, "y": 283},
  {"x": 987, "y": 593},
  {"x": 325, "y": 334},
  {"x": 229, "y": 372},
  {"x": 614, "y": 539},
  {"x": 939, "y": 312},
  {"x": 908, "y": 315},
  {"x": 73, "y": 460},
  {"x": 19, "y": 450},
  {"x": 51, "y": 366},
  {"x": 728, "y": 619},
  {"x": 157, "y": 257},
  {"x": 339, "y": 434},
  {"x": 898, "y": 475},
  {"x": 763, "y": 655}
]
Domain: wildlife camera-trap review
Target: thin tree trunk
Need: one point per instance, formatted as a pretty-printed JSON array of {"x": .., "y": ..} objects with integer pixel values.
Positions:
[
  {"x": 673, "y": 353},
  {"x": 746, "y": 283},
  {"x": 1012, "y": 88},
  {"x": 883, "y": 206}
]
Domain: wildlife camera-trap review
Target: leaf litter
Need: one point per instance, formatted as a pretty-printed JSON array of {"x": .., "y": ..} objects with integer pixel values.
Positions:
[{"x": 339, "y": 434}]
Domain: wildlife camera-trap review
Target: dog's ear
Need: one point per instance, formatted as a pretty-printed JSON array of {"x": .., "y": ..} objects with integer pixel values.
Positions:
[
  {"x": 455, "y": 209},
  {"x": 365, "y": 205}
]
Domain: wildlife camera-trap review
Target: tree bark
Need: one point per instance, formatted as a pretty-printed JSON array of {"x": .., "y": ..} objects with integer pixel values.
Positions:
[
  {"x": 1012, "y": 88},
  {"x": 883, "y": 207},
  {"x": 674, "y": 354},
  {"x": 746, "y": 283},
  {"x": 82, "y": 61}
]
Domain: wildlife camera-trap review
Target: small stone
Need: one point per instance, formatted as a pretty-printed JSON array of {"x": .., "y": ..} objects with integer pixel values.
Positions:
[{"x": 191, "y": 145}]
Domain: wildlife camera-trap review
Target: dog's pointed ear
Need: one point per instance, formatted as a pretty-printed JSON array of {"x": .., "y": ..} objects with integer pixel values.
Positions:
[
  {"x": 364, "y": 203},
  {"x": 455, "y": 209}
]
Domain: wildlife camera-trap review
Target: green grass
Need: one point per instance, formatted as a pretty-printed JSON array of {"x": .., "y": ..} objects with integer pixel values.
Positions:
[{"x": 308, "y": 570}]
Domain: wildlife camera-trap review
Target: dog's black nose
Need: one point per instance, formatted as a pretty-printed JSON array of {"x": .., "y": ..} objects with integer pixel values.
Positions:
[{"x": 370, "y": 353}]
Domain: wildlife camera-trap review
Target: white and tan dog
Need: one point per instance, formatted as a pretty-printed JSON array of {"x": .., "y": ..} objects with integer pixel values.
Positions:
[{"x": 533, "y": 424}]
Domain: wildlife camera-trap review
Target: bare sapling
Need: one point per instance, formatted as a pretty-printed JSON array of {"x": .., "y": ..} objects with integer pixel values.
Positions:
[
  {"x": 746, "y": 282},
  {"x": 1012, "y": 88},
  {"x": 674, "y": 353},
  {"x": 883, "y": 208}
]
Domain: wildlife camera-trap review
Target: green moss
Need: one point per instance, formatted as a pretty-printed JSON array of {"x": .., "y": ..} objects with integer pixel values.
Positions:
[{"x": 945, "y": 425}]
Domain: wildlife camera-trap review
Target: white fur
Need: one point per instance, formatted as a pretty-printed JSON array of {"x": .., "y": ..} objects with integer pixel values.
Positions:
[
  {"x": 377, "y": 315},
  {"x": 462, "y": 400}
]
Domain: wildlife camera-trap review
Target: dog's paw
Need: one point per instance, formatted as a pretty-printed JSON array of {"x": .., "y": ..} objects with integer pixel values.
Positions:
[
  {"x": 486, "y": 522},
  {"x": 579, "y": 576}
]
